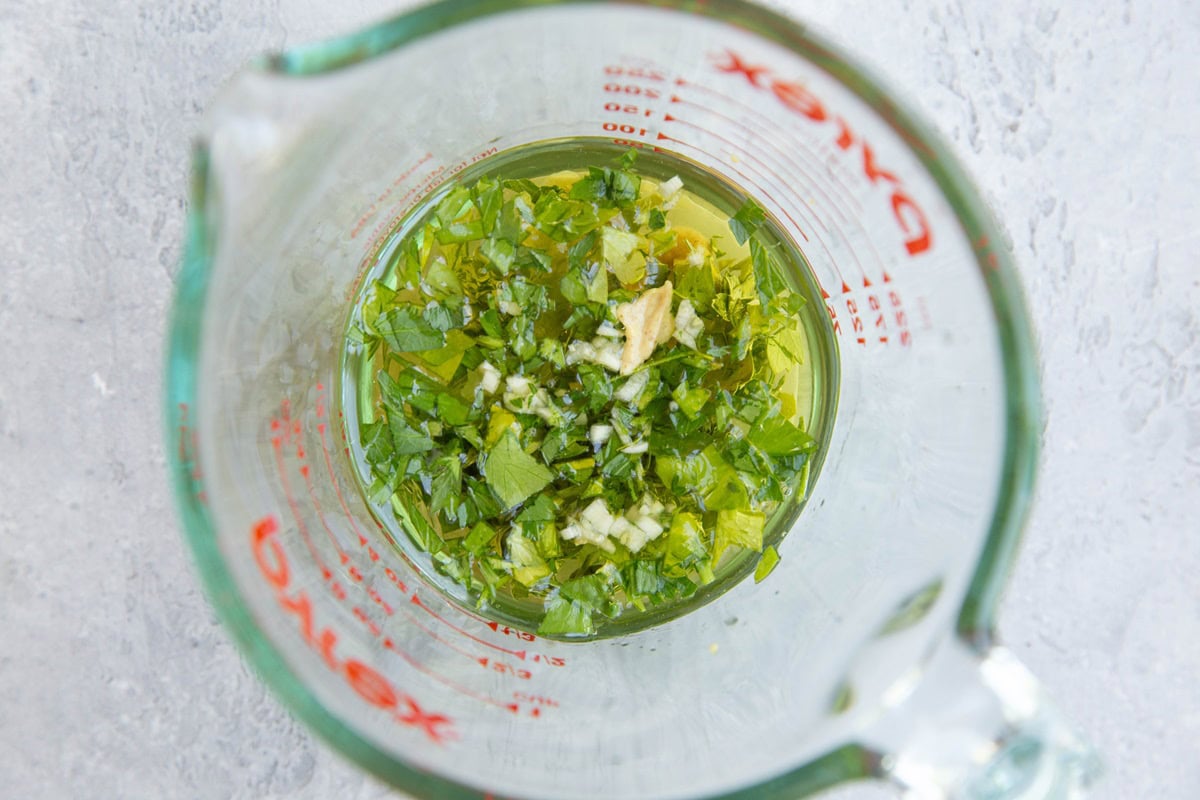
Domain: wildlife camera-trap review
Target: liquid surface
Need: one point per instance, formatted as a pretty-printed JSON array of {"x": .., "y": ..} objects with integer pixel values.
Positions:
[{"x": 583, "y": 386}]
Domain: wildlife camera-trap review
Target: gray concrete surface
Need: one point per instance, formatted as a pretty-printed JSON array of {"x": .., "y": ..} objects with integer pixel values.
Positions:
[{"x": 1077, "y": 120}]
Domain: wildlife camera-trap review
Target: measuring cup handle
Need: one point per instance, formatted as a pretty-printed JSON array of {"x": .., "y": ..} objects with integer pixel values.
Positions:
[{"x": 977, "y": 726}]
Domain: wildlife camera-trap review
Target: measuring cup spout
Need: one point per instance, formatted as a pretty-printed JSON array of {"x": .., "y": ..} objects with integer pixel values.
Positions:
[{"x": 972, "y": 725}]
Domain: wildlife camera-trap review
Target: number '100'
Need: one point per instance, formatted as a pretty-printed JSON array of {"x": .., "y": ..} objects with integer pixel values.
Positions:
[{"x": 615, "y": 128}]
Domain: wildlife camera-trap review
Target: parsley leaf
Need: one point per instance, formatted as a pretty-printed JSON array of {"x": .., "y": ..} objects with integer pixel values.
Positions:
[
  {"x": 746, "y": 221},
  {"x": 620, "y": 253},
  {"x": 444, "y": 316},
  {"x": 406, "y": 331},
  {"x": 741, "y": 528},
  {"x": 512, "y": 473},
  {"x": 459, "y": 232},
  {"x": 446, "y": 486},
  {"x": 479, "y": 538},
  {"x": 625, "y": 187},
  {"x": 565, "y": 617},
  {"x": 574, "y": 287},
  {"x": 452, "y": 411},
  {"x": 776, "y": 436},
  {"x": 690, "y": 401},
  {"x": 499, "y": 253},
  {"x": 592, "y": 187},
  {"x": 767, "y": 563},
  {"x": 406, "y": 439},
  {"x": 768, "y": 278},
  {"x": 540, "y": 510},
  {"x": 489, "y": 197},
  {"x": 528, "y": 566}
]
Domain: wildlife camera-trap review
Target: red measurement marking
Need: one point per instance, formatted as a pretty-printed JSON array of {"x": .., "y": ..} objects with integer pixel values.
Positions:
[
  {"x": 333, "y": 481},
  {"x": 856, "y": 321},
  {"x": 633, "y": 143},
  {"x": 412, "y": 618},
  {"x": 442, "y": 679},
  {"x": 507, "y": 631},
  {"x": 389, "y": 644},
  {"x": 633, "y": 90},
  {"x": 664, "y": 137},
  {"x": 846, "y": 195},
  {"x": 504, "y": 669},
  {"x": 765, "y": 170},
  {"x": 644, "y": 73},
  {"x": 853, "y": 255},
  {"x": 554, "y": 661},
  {"x": 357, "y": 576},
  {"x": 769, "y": 145},
  {"x": 628, "y": 130},
  {"x": 900, "y": 316},
  {"x": 880, "y": 320},
  {"x": 369, "y": 684},
  {"x": 277, "y": 445},
  {"x": 796, "y": 97},
  {"x": 375, "y": 206},
  {"x": 416, "y": 601},
  {"x": 768, "y": 169},
  {"x": 830, "y": 260},
  {"x": 536, "y": 699},
  {"x": 312, "y": 494},
  {"x": 337, "y": 489}
]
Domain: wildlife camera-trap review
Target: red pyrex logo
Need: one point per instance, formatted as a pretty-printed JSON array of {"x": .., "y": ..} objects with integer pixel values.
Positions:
[
  {"x": 796, "y": 97},
  {"x": 365, "y": 681}
]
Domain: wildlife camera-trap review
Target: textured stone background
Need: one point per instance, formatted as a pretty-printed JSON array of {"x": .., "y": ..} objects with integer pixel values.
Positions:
[{"x": 1078, "y": 121}]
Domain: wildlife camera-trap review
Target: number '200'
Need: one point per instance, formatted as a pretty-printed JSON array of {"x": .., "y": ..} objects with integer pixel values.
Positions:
[{"x": 628, "y": 88}]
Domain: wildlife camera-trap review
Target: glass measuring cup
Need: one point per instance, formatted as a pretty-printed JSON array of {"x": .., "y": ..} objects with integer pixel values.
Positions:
[{"x": 867, "y": 652}]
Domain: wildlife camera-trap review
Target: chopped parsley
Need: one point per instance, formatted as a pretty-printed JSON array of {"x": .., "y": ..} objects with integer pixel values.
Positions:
[{"x": 582, "y": 401}]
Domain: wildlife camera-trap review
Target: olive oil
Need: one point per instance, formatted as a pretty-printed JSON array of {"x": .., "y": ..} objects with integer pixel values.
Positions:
[{"x": 586, "y": 391}]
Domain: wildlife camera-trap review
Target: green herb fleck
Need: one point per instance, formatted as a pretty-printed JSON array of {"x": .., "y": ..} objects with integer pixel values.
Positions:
[
  {"x": 746, "y": 221},
  {"x": 512, "y": 473},
  {"x": 766, "y": 563},
  {"x": 406, "y": 331}
]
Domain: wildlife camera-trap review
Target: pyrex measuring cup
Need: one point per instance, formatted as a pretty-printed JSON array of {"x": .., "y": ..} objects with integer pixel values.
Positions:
[{"x": 868, "y": 652}]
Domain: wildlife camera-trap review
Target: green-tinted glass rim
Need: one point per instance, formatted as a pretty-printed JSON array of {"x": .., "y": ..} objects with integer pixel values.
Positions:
[{"x": 976, "y": 616}]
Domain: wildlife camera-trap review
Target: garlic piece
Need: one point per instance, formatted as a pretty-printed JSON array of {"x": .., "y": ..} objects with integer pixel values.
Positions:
[
  {"x": 648, "y": 323},
  {"x": 688, "y": 324}
]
